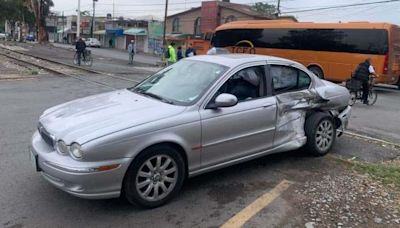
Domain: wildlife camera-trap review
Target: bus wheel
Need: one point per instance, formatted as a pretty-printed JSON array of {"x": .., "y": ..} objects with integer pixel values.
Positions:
[{"x": 317, "y": 71}]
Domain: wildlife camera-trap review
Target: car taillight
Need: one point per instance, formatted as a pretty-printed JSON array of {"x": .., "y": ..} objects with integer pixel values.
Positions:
[{"x": 386, "y": 64}]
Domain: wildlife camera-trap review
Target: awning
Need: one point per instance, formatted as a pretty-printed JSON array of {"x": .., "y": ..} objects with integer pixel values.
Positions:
[
  {"x": 116, "y": 31},
  {"x": 136, "y": 32},
  {"x": 66, "y": 30},
  {"x": 99, "y": 32},
  {"x": 177, "y": 36}
]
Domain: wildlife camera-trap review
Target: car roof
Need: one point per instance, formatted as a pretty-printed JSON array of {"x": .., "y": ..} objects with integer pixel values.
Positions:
[{"x": 233, "y": 60}]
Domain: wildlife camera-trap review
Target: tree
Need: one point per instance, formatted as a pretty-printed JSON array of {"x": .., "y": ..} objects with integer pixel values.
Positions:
[
  {"x": 15, "y": 11},
  {"x": 41, "y": 9},
  {"x": 265, "y": 9}
]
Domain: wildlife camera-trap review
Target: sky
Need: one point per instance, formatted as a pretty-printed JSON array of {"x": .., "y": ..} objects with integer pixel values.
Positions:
[{"x": 382, "y": 12}]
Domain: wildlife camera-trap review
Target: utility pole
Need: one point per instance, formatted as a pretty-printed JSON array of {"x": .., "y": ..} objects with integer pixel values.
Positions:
[
  {"x": 63, "y": 26},
  {"x": 113, "y": 16},
  {"x": 165, "y": 22},
  {"x": 93, "y": 18},
  {"x": 78, "y": 21},
  {"x": 278, "y": 13}
]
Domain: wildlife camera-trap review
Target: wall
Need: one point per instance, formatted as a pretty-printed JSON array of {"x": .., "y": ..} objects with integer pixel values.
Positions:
[
  {"x": 186, "y": 22},
  {"x": 225, "y": 13}
]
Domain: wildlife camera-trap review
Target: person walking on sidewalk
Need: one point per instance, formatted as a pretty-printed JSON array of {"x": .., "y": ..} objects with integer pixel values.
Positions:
[
  {"x": 171, "y": 54},
  {"x": 190, "y": 51},
  {"x": 179, "y": 53},
  {"x": 131, "y": 51}
]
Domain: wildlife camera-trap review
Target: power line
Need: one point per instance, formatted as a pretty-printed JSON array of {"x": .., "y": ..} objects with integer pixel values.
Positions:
[{"x": 340, "y": 6}]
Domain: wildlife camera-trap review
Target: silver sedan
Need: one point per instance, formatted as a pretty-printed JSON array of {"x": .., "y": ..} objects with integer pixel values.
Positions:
[{"x": 200, "y": 114}]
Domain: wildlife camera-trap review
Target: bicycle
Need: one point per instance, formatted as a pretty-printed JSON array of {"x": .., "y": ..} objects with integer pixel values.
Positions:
[
  {"x": 355, "y": 88},
  {"x": 87, "y": 59}
]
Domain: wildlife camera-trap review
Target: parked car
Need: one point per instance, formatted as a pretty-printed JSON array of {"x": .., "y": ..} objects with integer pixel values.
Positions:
[
  {"x": 30, "y": 38},
  {"x": 93, "y": 42},
  {"x": 2, "y": 36},
  {"x": 200, "y": 114}
]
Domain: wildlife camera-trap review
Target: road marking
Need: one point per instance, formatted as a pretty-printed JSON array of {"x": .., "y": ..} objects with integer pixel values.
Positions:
[
  {"x": 349, "y": 133},
  {"x": 247, "y": 213}
]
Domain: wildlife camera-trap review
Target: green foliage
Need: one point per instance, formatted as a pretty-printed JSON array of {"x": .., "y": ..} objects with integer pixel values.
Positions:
[
  {"x": 265, "y": 9},
  {"x": 15, "y": 10}
]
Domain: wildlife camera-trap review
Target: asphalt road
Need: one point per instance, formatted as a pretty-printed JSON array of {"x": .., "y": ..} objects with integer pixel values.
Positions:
[
  {"x": 26, "y": 200},
  {"x": 382, "y": 120}
]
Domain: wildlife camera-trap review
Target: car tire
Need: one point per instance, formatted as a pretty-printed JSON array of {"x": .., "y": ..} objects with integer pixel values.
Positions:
[
  {"x": 143, "y": 177},
  {"x": 317, "y": 71},
  {"x": 320, "y": 130}
]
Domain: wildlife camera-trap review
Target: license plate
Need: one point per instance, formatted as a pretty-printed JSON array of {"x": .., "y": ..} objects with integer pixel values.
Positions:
[{"x": 34, "y": 160}]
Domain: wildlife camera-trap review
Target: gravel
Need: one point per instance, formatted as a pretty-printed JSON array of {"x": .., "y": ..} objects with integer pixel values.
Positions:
[{"x": 349, "y": 200}]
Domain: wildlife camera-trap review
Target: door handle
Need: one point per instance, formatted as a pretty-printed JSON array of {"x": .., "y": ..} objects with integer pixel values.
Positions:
[{"x": 267, "y": 105}]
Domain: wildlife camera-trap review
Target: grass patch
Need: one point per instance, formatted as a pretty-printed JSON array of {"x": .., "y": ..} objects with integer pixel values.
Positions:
[{"x": 388, "y": 173}]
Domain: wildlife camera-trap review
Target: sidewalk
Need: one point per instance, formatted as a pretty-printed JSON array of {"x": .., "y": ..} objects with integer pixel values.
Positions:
[{"x": 116, "y": 54}]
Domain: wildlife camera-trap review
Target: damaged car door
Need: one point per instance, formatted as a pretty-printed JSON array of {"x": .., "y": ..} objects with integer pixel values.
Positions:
[
  {"x": 294, "y": 97},
  {"x": 246, "y": 128}
]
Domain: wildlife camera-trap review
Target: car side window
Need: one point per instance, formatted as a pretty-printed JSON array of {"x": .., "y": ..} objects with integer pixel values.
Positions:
[
  {"x": 304, "y": 80},
  {"x": 288, "y": 79},
  {"x": 246, "y": 84}
]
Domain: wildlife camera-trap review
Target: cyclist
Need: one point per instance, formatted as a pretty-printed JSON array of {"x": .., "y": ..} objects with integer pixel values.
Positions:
[
  {"x": 362, "y": 73},
  {"x": 80, "y": 49}
]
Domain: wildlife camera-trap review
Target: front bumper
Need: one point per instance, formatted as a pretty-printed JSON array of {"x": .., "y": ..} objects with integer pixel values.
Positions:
[{"x": 79, "y": 178}]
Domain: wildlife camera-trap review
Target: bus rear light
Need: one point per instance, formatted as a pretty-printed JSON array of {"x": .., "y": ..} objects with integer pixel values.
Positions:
[{"x": 386, "y": 64}]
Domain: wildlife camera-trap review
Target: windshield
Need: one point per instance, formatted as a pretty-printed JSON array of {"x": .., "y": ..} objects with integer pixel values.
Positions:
[{"x": 182, "y": 83}]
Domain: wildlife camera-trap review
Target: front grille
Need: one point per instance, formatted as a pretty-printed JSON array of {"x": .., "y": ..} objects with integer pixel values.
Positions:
[{"x": 46, "y": 136}]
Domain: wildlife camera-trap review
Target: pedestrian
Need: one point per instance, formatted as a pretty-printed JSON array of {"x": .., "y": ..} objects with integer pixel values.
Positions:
[
  {"x": 171, "y": 54},
  {"x": 362, "y": 73},
  {"x": 212, "y": 50},
  {"x": 179, "y": 53},
  {"x": 110, "y": 43},
  {"x": 131, "y": 51},
  {"x": 190, "y": 51},
  {"x": 65, "y": 39},
  {"x": 80, "y": 47}
]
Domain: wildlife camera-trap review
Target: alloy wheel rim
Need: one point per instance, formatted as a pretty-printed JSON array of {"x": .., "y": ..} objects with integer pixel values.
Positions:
[
  {"x": 324, "y": 135},
  {"x": 156, "y": 178}
]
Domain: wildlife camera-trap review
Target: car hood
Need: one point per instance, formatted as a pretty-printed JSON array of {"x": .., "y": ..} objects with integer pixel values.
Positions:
[{"x": 88, "y": 118}]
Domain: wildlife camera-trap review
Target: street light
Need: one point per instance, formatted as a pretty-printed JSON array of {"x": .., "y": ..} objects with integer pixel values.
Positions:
[{"x": 93, "y": 18}]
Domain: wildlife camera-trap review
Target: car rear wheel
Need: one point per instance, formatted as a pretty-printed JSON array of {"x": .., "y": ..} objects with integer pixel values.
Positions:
[
  {"x": 317, "y": 71},
  {"x": 321, "y": 133},
  {"x": 154, "y": 177}
]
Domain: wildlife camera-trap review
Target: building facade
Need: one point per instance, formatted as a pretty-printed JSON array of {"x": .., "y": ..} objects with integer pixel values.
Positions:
[{"x": 200, "y": 20}]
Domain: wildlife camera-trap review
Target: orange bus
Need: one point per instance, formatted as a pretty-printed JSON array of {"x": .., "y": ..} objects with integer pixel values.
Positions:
[{"x": 331, "y": 50}]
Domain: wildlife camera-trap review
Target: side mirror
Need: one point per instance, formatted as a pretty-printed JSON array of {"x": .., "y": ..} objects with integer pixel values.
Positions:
[{"x": 225, "y": 100}]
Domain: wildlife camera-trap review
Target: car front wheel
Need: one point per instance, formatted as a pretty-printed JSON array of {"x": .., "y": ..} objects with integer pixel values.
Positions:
[
  {"x": 154, "y": 177},
  {"x": 320, "y": 130}
]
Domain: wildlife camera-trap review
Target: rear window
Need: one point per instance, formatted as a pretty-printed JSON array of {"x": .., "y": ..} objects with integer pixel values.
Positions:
[{"x": 364, "y": 41}]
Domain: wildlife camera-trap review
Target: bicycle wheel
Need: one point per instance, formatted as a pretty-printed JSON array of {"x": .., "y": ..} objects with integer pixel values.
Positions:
[
  {"x": 88, "y": 61},
  {"x": 76, "y": 59},
  {"x": 353, "y": 98},
  {"x": 372, "y": 97}
]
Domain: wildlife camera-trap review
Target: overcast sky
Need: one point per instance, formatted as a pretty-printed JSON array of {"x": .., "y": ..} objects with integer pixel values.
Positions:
[{"x": 382, "y": 12}]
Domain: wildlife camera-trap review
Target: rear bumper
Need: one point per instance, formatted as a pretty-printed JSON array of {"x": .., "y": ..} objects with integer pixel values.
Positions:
[{"x": 344, "y": 117}]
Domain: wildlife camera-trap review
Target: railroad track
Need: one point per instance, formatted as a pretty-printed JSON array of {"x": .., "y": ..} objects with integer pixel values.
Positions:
[{"x": 61, "y": 69}]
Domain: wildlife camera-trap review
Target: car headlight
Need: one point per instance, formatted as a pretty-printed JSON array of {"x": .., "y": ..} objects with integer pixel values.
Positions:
[
  {"x": 61, "y": 147},
  {"x": 75, "y": 151}
]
